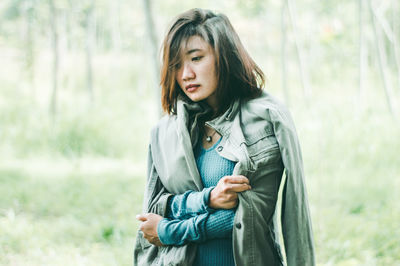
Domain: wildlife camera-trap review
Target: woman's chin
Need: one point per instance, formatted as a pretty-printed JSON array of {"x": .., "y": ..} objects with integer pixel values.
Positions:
[{"x": 196, "y": 98}]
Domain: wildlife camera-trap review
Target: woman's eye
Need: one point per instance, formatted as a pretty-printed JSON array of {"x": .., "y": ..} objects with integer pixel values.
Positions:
[{"x": 196, "y": 58}]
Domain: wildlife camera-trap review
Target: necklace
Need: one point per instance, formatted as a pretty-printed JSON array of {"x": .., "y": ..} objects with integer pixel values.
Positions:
[{"x": 209, "y": 137}]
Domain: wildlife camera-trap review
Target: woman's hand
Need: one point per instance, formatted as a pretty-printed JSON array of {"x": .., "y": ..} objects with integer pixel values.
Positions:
[
  {"x": 149, "y": 227},
  {"x": 224, "y": 195}
]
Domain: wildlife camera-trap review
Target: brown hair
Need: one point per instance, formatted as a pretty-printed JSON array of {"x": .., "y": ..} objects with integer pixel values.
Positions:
[{"x": 237, "y": 74}]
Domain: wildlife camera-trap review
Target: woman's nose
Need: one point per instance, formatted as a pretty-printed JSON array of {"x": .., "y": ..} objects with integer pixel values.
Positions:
[{"x": 188, "y": 73}]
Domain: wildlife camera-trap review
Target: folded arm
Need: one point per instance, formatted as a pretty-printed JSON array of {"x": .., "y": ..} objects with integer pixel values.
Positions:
[
  {"x": 189, "y": 204},
  {"x": 199, "y": 228}
]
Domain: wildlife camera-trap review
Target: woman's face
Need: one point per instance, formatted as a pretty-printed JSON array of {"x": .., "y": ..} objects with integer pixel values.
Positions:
[{"x": 196, "y": 75}]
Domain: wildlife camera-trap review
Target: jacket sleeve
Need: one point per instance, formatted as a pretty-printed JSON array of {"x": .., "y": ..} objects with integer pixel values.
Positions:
[
  {"x": 296, "y": 221},
  {"x": 155, "y": 196}
]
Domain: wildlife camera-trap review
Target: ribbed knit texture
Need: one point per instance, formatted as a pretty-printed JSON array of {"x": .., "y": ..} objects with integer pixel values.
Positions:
[{"x": 212, "y": 167}]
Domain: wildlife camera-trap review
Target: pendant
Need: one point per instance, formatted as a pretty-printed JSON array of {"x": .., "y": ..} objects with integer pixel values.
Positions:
[{"x": 208, "y": 139}]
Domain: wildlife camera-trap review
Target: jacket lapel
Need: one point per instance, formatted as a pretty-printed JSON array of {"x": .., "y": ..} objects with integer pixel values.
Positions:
[{"x": 185, "y": 142}]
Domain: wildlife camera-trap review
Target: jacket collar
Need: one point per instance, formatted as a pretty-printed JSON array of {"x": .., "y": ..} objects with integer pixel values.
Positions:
[
  {"x": 189, "y": 114},
  {"x": 223, "y": 123}
]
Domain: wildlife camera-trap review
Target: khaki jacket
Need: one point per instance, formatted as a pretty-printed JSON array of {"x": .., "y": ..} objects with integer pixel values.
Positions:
[{"x": 260, "y": 136}]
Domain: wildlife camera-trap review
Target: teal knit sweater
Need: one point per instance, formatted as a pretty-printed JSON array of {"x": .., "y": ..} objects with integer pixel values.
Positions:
[{"x": 189, "y": 219}]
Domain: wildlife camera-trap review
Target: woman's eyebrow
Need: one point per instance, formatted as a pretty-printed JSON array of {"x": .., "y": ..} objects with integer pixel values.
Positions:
[{"x": 193, "y": 50}]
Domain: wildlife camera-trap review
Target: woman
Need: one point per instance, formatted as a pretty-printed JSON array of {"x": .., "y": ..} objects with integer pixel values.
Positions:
[{"x": 216, "y": 160}]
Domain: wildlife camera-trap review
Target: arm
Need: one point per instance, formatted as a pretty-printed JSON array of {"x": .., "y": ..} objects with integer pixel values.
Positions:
[
  {"x": 223, "y": 196},
  {"x": 189, "y": 204},
  {"x": 196, "y": 229},
  {"x": 192, "y": 203}
]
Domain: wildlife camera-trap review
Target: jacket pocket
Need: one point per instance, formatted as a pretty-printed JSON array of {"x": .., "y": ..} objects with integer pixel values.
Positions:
[
  {"x": 264, "y": 152},
  {"x": 260, "y": 143}
]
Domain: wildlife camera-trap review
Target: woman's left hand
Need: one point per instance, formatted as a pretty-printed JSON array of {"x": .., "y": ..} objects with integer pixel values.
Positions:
[{"x": 149, "y": 227}]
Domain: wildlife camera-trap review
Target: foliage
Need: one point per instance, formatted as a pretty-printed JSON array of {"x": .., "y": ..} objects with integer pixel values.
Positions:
[{"x": 72, "y": 183}]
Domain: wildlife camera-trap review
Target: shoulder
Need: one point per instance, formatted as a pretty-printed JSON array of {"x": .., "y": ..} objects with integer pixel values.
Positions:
[
  {"x": 265, "y": 107},
  {"x": 164, "y": 126}
]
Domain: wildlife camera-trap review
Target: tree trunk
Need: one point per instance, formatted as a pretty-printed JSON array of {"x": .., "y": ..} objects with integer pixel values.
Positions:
[
  {"x": 381, "y": 60},
  {"x": 362, "y": 56},
  {"x": 391, "y": 35},
  {"x": 30, "y": 56},
  {"x": 153, "y": 43},
  {"x": 396, "y": 33},
  {"x": 88, "y": 50},
  {"x": 284, "y": 53},
  {"x": 299, "y": 52},
  {"x": 54, "y": 35},
  {"x": 68, "y": 31},
  {"x": 115, "y": 24}
]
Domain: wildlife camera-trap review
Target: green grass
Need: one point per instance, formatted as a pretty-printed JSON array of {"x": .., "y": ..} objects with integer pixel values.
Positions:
[
  {"x": 353, "y": 177},
  {"x": 70, "y": 188},
  {"x": 80, "y": 209},
  {"x": 68, "y": 218}
]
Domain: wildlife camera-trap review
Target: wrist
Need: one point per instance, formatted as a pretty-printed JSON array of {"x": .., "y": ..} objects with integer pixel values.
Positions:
[
  {"x": 207, "y": 199},
  {"x": 211, "y": 199}
]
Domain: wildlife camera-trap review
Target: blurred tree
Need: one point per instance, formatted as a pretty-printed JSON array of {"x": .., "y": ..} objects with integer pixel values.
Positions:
[
  {"x": 89, "y": 32},
  {"x": 251, "y": 7},
  {"x": 362, "y": 55},
  {"x": 68, "y": 25},
  {"x": 30, "y": 41},
  {"x": 151, "y": 32},
  {"x": 381, "y": 54},
  {"x": 395, "y": 10},
  {"x": 22, "y": 13},
  {"x": 115, "y": 24},
  {"x": 299, "y": 52},
  {"x": 55, "y": 51},
  {"x": 284, "y": 52}
]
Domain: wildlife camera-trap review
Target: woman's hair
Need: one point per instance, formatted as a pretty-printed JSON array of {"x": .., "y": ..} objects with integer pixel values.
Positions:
[{"x": 237, "y": 74}]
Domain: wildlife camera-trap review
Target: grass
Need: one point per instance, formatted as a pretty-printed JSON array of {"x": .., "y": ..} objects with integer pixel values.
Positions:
[
  {"x": 70, "y": 189},
  {"x": 353, "y": 170},
  {"x": 80, "y": 210},
  {"x": 68, "y": 218}
]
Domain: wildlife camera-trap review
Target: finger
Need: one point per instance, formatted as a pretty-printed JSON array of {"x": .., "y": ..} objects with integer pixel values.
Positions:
[
  {"x": 232, "y": 204},
  {"x": 231, "y": 197},
  {"x": 237, "y": 179},
  {"x": 237, "y": 187},
  {"x": 141, "y": 217},
  {"x": 153, "y": 240}
]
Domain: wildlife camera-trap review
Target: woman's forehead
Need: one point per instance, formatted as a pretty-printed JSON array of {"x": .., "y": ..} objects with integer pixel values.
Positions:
[{"x": 193, "y": 44}]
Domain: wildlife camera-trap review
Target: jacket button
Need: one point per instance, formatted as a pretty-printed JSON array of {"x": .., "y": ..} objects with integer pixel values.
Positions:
[
  {"x": 220, "y": 148},
  {"x": 238, "y": 225}
]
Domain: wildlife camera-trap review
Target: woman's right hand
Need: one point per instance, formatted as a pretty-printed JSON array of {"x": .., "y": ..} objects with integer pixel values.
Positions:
[{"x": 224, "y": 195}]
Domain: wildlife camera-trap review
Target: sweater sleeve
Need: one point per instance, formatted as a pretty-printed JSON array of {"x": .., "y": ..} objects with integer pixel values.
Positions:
[
  {"x": 196, "y": 229},
  {"x": 189, "y": 204}
]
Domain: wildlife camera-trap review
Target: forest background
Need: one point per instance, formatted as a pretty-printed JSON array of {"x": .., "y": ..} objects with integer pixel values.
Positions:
[{"x": 79, "y": 94}]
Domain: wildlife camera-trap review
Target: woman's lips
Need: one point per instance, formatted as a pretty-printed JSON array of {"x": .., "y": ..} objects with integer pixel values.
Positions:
[{"x": 192, "y": 87}]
